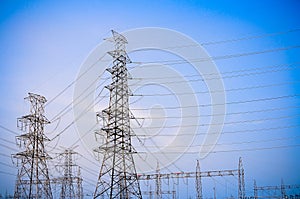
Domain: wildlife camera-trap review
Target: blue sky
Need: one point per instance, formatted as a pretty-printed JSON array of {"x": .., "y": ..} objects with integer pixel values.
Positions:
[{"x": 44, "y": 43}]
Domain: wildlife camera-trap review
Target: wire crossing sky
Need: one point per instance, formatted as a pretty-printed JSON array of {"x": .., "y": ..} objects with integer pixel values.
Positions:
[{"x": 254, "y": 44}]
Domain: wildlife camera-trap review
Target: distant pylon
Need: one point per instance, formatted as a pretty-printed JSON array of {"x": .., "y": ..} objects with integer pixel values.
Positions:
[
  {"x": 33, "y": 179},
  {"x": 241, "y": 180},
  {"x": 158, "y": 192},
  {"x": 198, "y": 181},
  {"x": 282, "y": 189},
  {"x": 71, "y": 182},
  {"x": 117, "y": 177},
  {"x": 255, "y": 190}
]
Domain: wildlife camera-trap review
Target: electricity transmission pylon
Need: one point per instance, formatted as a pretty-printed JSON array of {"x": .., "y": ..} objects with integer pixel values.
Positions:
[
  {"x": 71, "y": 182},
  {"x": 33, "y": 179},
  {"x": 241, "y": 180},
  {"x": 198, "y": 181},
  {"x": 117, "y": 177}
]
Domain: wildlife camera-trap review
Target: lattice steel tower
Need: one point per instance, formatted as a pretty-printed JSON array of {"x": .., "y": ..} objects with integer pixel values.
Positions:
[
  {"x": 33, "y": 178},
  {"x": 71, "y": 182},
  {"x": 198, "y": 182},
  {"x": 117, "y": 177}
]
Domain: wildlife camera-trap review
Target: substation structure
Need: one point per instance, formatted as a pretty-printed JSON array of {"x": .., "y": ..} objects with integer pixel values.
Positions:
[
  {"x": 157, "y": 177},
  {"x": 280, "y": 191}
]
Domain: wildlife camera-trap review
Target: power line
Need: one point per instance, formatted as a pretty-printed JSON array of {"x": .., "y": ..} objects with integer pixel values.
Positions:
[
  {"x": 243, "y": 38},
  {"x": 227, "y": 103},
  {"x": 205, "y": 43},
  {"x": 5, "y": 155},
  {"x": 8, "y": 130},
  {"x": 214, "y": 78},
  {"x": 234, "y": 150},
  {"x": 7, "y": 141},
  {"x": 222, "y": 73},
  {"x": 73, "y": 122},
  {"x": 178, "y": 61},
  {"x": 7, "y": 165},
  {"x": 62, "y": 113},
  {"x": 212, "y": 124},
  {"x": 73, "y": 82},
  {"x": 7, "y": 173},
  {"x": 229, "y": 143},
  {"x": 258, "y": 130},
  {"x": 221, "y": 114},
  {"x": 216, "y": 91},
  {"x": 13, "y": 149}
]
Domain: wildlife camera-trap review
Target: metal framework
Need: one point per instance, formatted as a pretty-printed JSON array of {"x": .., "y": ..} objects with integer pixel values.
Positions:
[
  {"x": 241, "y": 181},
  {"x": 71, "y": 182},
  {"x": 198, "y": 182},
  {"x": 117, "y": 177},
  {"x": 198, "y": 175},
  {"x": 33, "y": 178},
  {"x": 158, "y": 192},
  {"x": 275, "y": 191}
]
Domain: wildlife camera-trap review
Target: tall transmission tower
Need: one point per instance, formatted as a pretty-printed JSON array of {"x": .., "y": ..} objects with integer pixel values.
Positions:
[
  {"x": 117, "y": 177},
  {"x": 71, "y": 182},
  {"x": 158, "y": 192},
  {"x": 198, "y": 181},
  {"x": 33, "y": 178},
  {"x": 241, "y": 180}
]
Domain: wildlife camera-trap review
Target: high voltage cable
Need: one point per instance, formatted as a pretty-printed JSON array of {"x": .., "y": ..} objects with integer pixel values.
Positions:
[
  {"x": 227, "y": 103},
  {"x": 221, "y": 114},
  {"x": 236, "y": 150},
  {"x": 251, "y": 37},
  {"x": 213, "y": 78},
  {"x": 219, "y": 57},
  {"x": 86, "y": 133},
  {"x": 62, "y": 113},
  {"x": 7, "y": 165},
  {"x": 13, "y": 149},
  {"x": 8, "y": 130},
  {"x": 222, "y": 73},
  {"x": 205, "y": 43},
  {"x": 8, "y": 141},
  {"x": 238, "y": 39},
  {"x": 170, "y": 94},
  {"x": 216, "y": 91},
  {"x": 89, "y": 160},
  {"x": 5, "y": 155},
  {"x": 259, "y": 130},
  {"x": 178, "y": 61},
  {"x": 74, "y": 81},
  {"x": 4, "y": 172},
  {"x": 73, "y": 122},
  {"x": 229, "y": 143},
  {"x": 211, "y": 124}
]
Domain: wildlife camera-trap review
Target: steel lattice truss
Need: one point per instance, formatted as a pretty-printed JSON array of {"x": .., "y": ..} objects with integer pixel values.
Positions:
[
  {"x": 197, "y": 175},
  {"x": 71, "y": 182},
  {"x": 117, "y": 177},
  {"x": 33, "y": 178},
  {"x": 275, "y": 191}
]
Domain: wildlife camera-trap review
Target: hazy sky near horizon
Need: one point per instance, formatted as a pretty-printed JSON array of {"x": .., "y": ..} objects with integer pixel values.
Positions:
[{"x": 44, "y": 43}]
